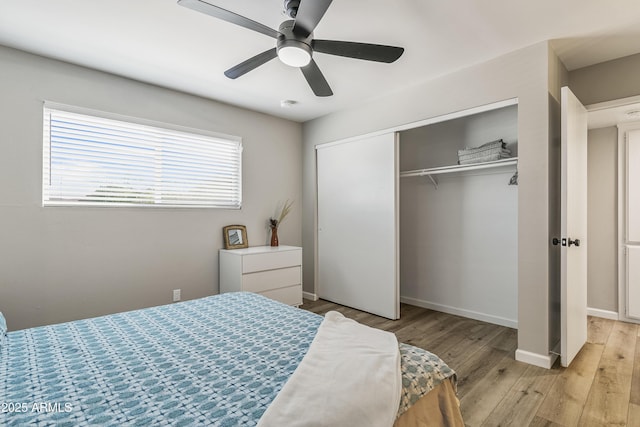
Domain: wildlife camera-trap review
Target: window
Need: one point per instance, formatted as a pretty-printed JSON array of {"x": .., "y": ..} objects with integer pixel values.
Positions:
[{"x": 99, "y": 161}]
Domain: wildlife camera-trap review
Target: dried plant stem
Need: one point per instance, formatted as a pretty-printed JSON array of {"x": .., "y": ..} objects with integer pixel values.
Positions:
[{"x": 286, "y": 208}]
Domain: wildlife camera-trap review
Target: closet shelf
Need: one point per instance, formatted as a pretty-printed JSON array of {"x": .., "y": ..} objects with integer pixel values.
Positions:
[{"x": 458, "y": 168}]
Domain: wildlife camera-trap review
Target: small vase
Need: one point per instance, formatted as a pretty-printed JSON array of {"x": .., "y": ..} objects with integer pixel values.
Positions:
[{"x": 274, "y": 236}]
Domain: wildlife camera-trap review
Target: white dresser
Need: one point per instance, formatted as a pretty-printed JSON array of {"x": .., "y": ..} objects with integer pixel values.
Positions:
[{"x": 275, "y": 272}]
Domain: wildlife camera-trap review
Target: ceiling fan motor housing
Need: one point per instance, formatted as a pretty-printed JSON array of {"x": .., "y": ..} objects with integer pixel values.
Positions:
[{"x": 289, "y": 39}]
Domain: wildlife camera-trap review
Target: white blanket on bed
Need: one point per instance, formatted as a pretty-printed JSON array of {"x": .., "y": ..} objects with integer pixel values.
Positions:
[{"x": 349, "y": 377}]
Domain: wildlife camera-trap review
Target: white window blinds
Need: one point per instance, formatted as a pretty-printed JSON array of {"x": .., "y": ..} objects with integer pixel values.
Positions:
[{"x": 89, "y": 160}]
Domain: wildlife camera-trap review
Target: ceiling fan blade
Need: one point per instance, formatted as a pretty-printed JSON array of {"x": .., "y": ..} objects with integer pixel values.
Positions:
[
  {"x": 225, "y": 15},
  {"x": 316, "y": 80},
  {"x": 251, "y": 63},
  {"x": 366, "y": 51},
  {"x": 310, "y": 12}
]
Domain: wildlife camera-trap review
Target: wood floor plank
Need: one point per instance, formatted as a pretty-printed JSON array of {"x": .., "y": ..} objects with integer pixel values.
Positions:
[
  {"x": 474, "y": 369},
  {"x": 448, "y": 333},
  {"x": 470, "y": 344},
  {"x": 598, "y": 329},
  {"x": 318, "y": 307},
  {"x": 565, "y": 402},
  {"x": 484, "y": 384},
  {"x": 635, "y": 379},
  {"x": 520, "y": 405},
  {"x": 634, "y": 415},
  {"x": 472, "y": 341},
  {"x": 440, "y": 334},
  {"x": 507, "y": 340},
  {"x": 541, "y": 422},
  {"x": 419, "y": 327},
  {"x": 608, "y": 401},
  {"x": 457, "y": 339}
]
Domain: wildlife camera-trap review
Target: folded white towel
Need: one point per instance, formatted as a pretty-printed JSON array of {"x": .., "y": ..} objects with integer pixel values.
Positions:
[
  {"x": 484, "y": 159},
  {"x": 486, "y": 152}
]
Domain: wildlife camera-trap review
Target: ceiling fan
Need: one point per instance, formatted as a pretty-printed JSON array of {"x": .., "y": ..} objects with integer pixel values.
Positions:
[{"x": 295, "y": 44}]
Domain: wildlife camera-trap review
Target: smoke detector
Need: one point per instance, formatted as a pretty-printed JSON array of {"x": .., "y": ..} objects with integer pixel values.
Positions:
[{"x": 288, "y": 103}]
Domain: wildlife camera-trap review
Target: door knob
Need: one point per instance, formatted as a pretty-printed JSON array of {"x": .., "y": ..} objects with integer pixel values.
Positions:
[{"x": 563, "y": 242}]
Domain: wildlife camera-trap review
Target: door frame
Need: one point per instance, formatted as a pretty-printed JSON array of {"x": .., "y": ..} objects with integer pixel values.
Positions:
[
  {"x": 611, "y": 113},
  {"x": 623, "y": 128}
]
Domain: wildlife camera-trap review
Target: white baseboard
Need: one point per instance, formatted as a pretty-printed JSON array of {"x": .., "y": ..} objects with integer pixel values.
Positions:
[
  {"x": 541, "y": 360},
  {"x": 310, "y": 296},
  {"x": 605, "y": 314},
  {"x": 510, "y": 323}
]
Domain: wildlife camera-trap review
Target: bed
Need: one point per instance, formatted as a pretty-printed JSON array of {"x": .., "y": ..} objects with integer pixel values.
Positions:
[{"x": 217, "y": 361}]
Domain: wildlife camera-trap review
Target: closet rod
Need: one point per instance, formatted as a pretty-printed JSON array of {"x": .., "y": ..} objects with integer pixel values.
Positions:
[{"x": 459, "y": 168}]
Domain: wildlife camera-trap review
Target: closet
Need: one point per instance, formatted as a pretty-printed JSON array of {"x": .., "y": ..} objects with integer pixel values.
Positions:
[
  {"x": 458, "y": 224},
  {"x": 397, "y": 215}
]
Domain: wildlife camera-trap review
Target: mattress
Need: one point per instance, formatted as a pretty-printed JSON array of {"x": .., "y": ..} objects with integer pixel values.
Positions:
[{"x": 217, "y": 361}]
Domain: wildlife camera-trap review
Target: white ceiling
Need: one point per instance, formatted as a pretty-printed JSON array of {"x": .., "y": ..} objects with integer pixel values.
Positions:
[
  {"x": 160, "y": 42},
  {"x": 612, "y": 113}
]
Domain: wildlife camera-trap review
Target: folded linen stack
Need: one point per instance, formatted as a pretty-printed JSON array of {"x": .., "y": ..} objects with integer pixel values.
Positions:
[{"x": 491, "y": 151}]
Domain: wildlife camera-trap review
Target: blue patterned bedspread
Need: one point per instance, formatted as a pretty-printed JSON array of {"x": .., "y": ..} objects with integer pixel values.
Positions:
[{"x": 217, "y": 361}]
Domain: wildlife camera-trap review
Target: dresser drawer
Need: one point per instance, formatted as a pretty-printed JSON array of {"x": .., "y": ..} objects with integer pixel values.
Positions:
[
  {"x": 290, "y": 296},
  {"x": 271, "y": 279},
  {"x": 275, "y": 272},
  {"x": 271, "y": 260}
]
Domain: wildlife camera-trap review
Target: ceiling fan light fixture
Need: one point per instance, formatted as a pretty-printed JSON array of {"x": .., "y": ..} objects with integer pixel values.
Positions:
[
  {"x": 295, "y": 43},
  {"x": 294, "y": 53}
]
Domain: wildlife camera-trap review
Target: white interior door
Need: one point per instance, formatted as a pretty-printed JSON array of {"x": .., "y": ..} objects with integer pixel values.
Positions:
[
  {"x": 573, "y": 227},
  {"x": 358, "y": 225},
  {"x": 632, "y": 220}
]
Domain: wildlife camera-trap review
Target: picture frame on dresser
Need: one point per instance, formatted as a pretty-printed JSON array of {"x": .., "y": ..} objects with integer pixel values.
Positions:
[{"x": 235, "y": 237}]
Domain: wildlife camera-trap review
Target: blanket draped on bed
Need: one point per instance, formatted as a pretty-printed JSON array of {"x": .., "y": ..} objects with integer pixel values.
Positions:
[
  {"x": 215, "y": 361},
  {"x": 346, "y": 361}
]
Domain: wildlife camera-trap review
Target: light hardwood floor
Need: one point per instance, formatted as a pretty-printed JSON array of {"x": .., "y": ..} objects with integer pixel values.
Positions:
[{"x": 600, "y": 388}]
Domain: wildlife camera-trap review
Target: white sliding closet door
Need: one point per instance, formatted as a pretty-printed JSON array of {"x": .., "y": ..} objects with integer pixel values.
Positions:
[{"x": 358, "y": 224}]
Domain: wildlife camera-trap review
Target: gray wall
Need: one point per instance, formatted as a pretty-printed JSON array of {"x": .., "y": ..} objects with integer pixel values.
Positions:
[
  {"x": 558, "y": 77},
  {"x": 527, "y": 75},
  {"x": 458, "y": 242},
  {"x": 607, "y": 81},
  {"x": 59, "y": 263},
  {"x": 603, "y": 219}
]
